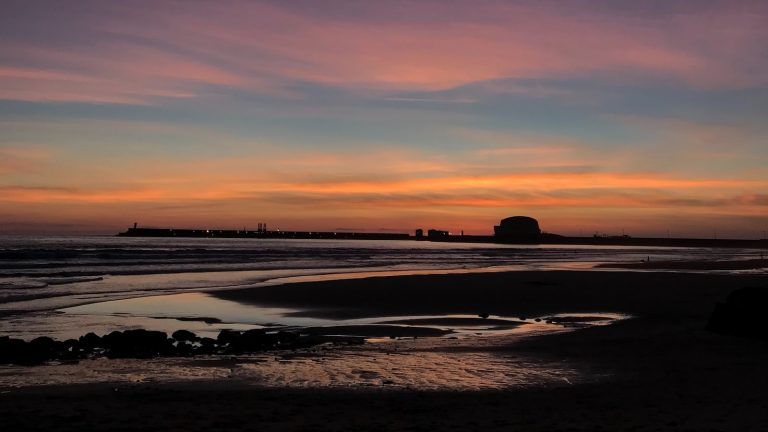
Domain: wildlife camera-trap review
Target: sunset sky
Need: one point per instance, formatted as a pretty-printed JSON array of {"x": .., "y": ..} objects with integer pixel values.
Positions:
[{"x": 644, "y": 116}]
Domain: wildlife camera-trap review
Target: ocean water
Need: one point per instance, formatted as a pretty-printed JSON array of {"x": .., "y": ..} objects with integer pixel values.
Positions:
[{"x": 44, "y": 280}]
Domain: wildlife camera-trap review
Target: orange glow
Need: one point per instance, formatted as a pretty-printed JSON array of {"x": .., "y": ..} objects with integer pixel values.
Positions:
[{"x": 597, "y": 185}]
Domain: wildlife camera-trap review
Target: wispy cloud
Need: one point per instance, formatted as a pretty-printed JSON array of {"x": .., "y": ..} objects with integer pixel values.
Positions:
[
  {"x": 22, "y": 159},
  {"x": 137, "y": 53}
]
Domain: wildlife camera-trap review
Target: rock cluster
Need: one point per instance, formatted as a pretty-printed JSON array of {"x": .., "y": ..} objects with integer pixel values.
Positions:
[{"x": 150, "y": 344}]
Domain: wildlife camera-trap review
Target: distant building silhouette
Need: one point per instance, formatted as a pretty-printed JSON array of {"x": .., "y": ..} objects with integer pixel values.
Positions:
[
  {"x": 419, "y": 233},
  {"x": 433, "y": 233},
  {"x": 522, "y": 228}
]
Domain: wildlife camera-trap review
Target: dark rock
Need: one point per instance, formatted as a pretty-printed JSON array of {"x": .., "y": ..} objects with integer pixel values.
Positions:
[
  {"x": 70, "y": 350},
  {"x": 247, "y": 341},
  {"x": 286, "y": 338},
  {"x": 43, "y": 342},
  {"x": 137, "y": 344},
  {"x": 207, "y": 346},
  {"x": 227, "y": 336},
  {"x": 742, "y": 314},
  {"x": 184, "y": 335},
  {"x": 11, "y": 350},
  {"x": 42, "y": 349},
  {"x": 206, "y": 341},
  {"x": 39, "y": 350},
  {"x": 89, "y": 341},
  {"x": 253, "y": 340},
  {"x": 184, "y": 349},
  {"x": 484, "y": 315}
]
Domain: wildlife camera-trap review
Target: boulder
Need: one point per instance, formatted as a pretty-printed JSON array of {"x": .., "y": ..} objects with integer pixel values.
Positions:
[
  {"x": 89, "y": 341},
  {"x": 286, "y": 338},
  {"x": 137, "y": 344},
  {"x": 70, "y": 350},
  {"x": 253, "y": 340},
  {"x": 184, "y": 335},
  {"x": 227, "y": 336},
  {"x": 42, "y": 349},
  {"x": 37, "y": 351},
  {"x": 11, "y": 350},
  {"x": 184, "y": 349},
  {"x": 207, "y": 346},
  {"x": 238, "y": 342}
]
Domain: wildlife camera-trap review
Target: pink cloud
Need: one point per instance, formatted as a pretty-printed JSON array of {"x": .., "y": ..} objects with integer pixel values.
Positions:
[
  {"x": 22, "y": 159},
  {"x": 142, "y": 53}
]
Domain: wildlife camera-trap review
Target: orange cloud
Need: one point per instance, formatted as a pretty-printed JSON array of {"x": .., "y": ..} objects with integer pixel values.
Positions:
[{"x": 527, "y": 189}]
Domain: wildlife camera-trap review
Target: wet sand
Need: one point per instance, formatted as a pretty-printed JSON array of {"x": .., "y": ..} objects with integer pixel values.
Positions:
[
  {"x": 509, "y": 294},
  {"x": 752, "y": 264},
  {"x": 657, "y": 371}
]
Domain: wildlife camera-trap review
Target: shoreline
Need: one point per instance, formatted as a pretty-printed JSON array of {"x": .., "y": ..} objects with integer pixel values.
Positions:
[
  {"x": 748, "y": 264},
  {"x": 341, "y": 274},
  {"x": 313, "y": 276}
]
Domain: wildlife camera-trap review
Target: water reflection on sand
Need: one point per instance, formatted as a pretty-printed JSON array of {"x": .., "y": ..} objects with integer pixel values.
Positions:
[{"x": 208, "y": 314}]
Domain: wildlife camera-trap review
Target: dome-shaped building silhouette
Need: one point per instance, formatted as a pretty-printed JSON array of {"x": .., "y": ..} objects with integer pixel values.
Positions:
[{"x": 518, "y": 228}]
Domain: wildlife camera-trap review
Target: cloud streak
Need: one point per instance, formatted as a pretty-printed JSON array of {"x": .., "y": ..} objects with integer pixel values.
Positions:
[{"x": 139, "y": 54}]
